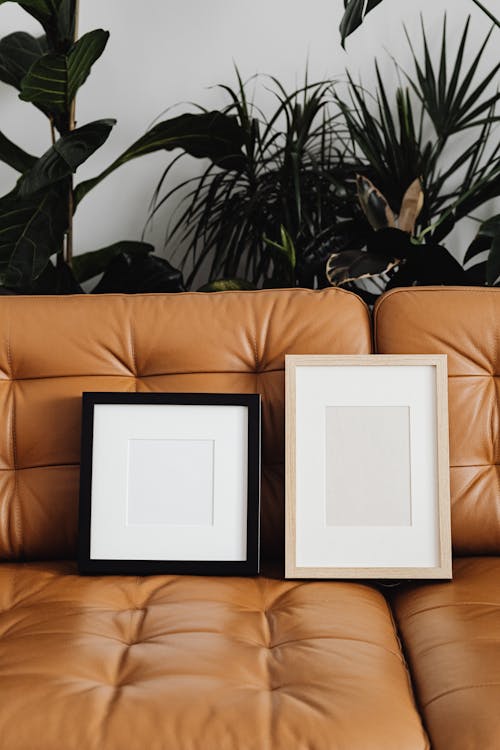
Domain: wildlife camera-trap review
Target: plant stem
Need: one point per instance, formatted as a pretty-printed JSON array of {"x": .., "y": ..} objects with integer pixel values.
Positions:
[
  {"x": 72, "y": 123},
  {"x": 490, "y": 15},
  {"x": 52, "y": 131}
]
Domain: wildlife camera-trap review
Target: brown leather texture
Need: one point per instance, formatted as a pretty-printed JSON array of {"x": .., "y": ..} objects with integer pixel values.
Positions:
[
  {"x": 463, "y": 323},
  {"x": 187, "y": 663},
  {"x": 54, "y": 348},
  {"x": 451, "y": 636}
]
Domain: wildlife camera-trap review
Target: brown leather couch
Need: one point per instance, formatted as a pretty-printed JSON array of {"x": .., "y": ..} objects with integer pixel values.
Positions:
[{"x": 187, "y": 663}]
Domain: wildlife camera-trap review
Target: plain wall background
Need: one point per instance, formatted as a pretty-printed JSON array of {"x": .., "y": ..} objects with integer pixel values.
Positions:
[{"x": 163, "y": 52}]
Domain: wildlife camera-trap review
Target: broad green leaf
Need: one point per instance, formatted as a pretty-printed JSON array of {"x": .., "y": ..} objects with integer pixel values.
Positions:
[
  {"x": 212, "y": 135},
  {"x": 53, "y": 80},
  {"x": 135, "y": 273},
  {"x": 18, "y": 52},
  {"x": 66, "y": 23},
  {"x": 55, "y": 279},
  {"x": 45, "y": 12},
  {"x": 374, "y": 205},
  {"x": 479, "y": 246},
  {"x": 491, "y": 227},
  {"x": 88, "y": 265},
  {"x": 31, "y": 230},
  {"x": 353, "y": 265},
  {"x": 354, "y": 14},
  {"x": 488, "y": 238},
  {"x": 63, "y": 158},
  {"x": 413, "y": 202},
  {"x": 14, "y": 156},
  {"x": 493, "y": 263},
  {"x": 226, "y": 285},
  {"x": 42, "y": 8}
]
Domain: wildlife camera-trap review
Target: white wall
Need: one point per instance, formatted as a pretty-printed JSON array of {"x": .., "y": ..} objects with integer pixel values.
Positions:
[{"x": 162, "y": 52}]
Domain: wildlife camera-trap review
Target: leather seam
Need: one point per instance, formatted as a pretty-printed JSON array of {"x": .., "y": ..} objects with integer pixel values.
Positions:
[
  {"x": 417, "y": 612},
  {"x": 132, "y": 350},
  {"x": 151, "y": 375},
  {"x": 404, "y": 661},
  {"x": 459, "y": 689},
  {"x": 16, "y": 506},
  {"x": 138, "y": 376}
]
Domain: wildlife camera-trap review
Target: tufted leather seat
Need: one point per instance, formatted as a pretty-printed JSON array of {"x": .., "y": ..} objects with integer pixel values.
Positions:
[
  {"x": 451, "y": 632},
  {"x": 171, "y": 663}
]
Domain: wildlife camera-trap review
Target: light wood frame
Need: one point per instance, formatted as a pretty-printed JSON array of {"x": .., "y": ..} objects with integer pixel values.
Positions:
[{"x": 443, "y": 567}]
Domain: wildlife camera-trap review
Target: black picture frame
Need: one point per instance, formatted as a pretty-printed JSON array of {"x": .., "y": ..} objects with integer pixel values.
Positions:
[{"x": 88, "y": 565}]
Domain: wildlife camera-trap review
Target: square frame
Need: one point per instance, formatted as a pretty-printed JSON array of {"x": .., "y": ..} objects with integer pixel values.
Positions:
[
  {"x": 110, "y": 424},
  {"x": 318, "y": 548}
]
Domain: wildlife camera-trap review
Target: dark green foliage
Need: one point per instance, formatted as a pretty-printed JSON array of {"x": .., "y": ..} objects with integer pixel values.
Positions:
[
  {"x": 354, "y": 13},
  {"x": 211, "y": 135},
  {"x": 36, "y": 217},
  {"x": 18, "y": 52},
  {"x": 356, "y": 10},
  {"x": 289, "y": 178},
  {"x": 88, "y": 265},
  {"x": 31, "y": 230},
  {"x": 63, "y": 158},
  {"x": 53, "y": 79},
  {"x": 132, "y": 273},
  {"x": 416, "y": 138},
  {"x": 14, "y": 156}
]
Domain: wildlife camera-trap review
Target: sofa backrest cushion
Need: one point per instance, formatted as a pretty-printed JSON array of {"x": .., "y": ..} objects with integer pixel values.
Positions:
[
  {"x": 463, "y": 323},
  {"x": 54, "y": 348}
]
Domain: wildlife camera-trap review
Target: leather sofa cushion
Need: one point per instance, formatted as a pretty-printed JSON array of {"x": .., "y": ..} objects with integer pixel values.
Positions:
[
  {"x": 53, "y": 348},
  {"x": 180, "y": 663},
  {"x": 464, "y": 324},
  {"x": 451, "y": 636}
]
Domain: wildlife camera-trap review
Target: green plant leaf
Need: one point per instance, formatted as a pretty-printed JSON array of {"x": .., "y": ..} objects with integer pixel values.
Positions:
[
  {"x": 374, "y": 205},
  {"x": 488, "y": 239},
  {"x": 88, "y": 265},
  {"x": 37, "y": 8},
  {"x": 31, "y": 230},
  {"x": 135, "y": 273},
  {"x": 286, "y": 247},
  {"x": 18, "y": 52},
  {"x": 14, "y": 156},
  {"x": 226, "y": 285},
  {"x": 354, "y": 14},
  {"x": 45, "y": 12},
  {"x": 411, "y": 206},
  {"x": 66, "y": 23},
  {"x": 53, "y": 80},
  {"x": 354, "y": 265},
  {"x": 493, "y": 263},
  {"x": 55, "y": 279},
  {"x": 212, "y": 135},
  {"x": 63, "y": 158}
]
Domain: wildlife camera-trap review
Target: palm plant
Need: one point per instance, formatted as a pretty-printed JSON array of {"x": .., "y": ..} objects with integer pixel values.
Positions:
[
  {"x": 434, "y": 110},
  {"x": 273, "y": 221}
]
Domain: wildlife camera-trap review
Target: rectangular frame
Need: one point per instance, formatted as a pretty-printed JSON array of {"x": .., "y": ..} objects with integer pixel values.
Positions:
[
  {"x": 225, "y": 446},
  {"x": 317, "y": 545}
]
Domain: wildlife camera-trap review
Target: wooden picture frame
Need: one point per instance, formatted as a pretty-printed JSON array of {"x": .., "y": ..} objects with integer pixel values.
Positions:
[
  {"x": 170, "y": 483},
  {"x": 367, "y": 467}
]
